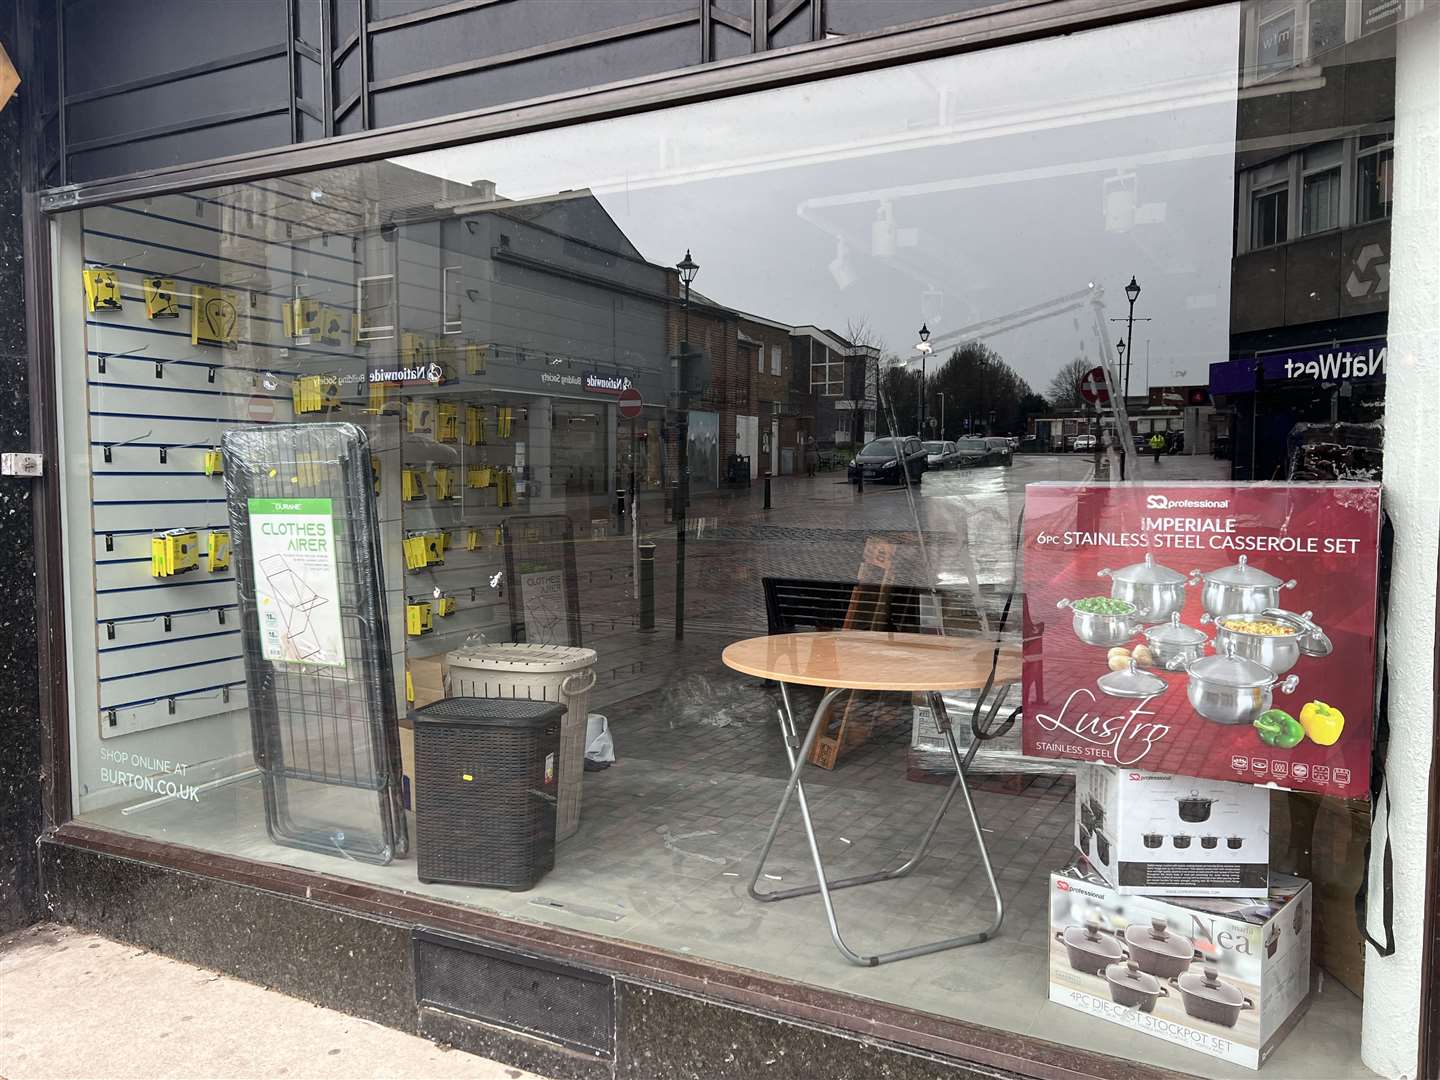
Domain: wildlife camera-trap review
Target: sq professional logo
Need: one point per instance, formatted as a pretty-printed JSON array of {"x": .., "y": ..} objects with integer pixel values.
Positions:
[{"x": 1165, "y": 502}]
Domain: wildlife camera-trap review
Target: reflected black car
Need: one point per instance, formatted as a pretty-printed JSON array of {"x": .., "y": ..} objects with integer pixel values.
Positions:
[
  {"x": 973, "y": 451},
  {"x": 1000, "y": 449},
  {"x": 889, "y": 460}
]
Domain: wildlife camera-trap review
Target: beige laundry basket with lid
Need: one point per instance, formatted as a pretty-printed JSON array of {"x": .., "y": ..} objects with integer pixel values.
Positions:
[{"x": 517, "y": 669}]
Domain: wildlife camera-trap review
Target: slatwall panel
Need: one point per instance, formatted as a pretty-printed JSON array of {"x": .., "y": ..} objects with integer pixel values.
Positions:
[{"x": 169, "y": 648}]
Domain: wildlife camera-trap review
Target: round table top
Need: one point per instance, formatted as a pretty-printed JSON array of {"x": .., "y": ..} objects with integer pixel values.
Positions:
[{"x": 874, "y": 660}]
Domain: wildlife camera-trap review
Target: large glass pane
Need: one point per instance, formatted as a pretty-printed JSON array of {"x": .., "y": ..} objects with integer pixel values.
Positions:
[{"x": 635, "y": 399}]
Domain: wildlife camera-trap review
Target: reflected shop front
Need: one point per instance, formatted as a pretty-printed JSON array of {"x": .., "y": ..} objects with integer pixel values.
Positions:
[{"x": 973, "y": 481}]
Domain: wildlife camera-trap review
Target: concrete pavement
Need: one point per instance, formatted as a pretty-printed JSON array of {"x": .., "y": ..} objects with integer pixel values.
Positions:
[{"x": 74, "y": 1006}]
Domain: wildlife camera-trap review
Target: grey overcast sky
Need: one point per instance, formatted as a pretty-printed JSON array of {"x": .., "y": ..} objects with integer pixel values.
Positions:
[{"x": 948, "y": 192}]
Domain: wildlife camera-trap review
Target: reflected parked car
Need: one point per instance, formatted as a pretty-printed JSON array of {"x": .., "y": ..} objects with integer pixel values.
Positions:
[
  {"x": 1000, "y": 449},
  {"x": 1083, "y": 443},
  {"x": 890, "y": 460},
  {"x": 940, "y": 455},
  {"x": 972, "y": 451}
]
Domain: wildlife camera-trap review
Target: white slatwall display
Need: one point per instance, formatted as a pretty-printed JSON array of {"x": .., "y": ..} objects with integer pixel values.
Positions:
[{"x": 169, "y": 649}]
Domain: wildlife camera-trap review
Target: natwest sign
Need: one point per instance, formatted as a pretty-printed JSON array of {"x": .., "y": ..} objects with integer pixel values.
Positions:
[
  {"x": 595, "y": 383},
  {"x": 1361, "y": 360}
]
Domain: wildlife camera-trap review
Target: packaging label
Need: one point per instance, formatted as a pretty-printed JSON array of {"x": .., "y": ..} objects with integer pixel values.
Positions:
[
  {"x": 297, "y": 591},
  {"x": 1316, "y": 545}
]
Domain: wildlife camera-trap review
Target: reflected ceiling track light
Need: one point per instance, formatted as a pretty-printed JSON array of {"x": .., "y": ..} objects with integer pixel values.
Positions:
[{"x": 840, "y": 267}]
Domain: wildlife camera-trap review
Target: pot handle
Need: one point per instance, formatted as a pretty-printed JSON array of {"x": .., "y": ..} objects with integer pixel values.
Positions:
[
  {"x": 1164, "y": 992},
  {"x": 1062, "y": 603},
  {"x": 1289, "y": 684},
  {"x": 1196, "y": 576},
  {"x": 1248, "y": 1004},
  {"x": 1104, "y": 573},
  {"x": 1177, "y": 664},
  {"x": 1288, "y": 585}
]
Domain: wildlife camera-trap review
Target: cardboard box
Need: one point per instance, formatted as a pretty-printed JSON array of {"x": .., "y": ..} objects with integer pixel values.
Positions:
[
  {"x": 1176, "y": 835},
  {"x": 427, "y": 679},
  {"x": 1238, "y": 970}
]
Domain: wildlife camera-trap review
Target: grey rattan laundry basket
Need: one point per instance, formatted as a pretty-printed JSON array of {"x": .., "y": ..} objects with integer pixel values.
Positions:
[
  {"x": 486, "y": 772},
  {"x": 522, "y": 671}
]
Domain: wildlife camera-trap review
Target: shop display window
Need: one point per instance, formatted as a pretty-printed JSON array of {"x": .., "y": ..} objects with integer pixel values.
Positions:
[{"x": 369, "y": 469}]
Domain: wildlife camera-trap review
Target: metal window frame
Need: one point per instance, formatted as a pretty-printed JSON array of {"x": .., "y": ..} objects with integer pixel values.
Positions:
[
  {"x": 1003, "y": 23},
  {"x": 447, "y": 324}
]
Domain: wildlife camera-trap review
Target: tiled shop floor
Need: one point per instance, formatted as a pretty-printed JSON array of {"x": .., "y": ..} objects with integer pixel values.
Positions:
[{"x": 668, "y": 841}]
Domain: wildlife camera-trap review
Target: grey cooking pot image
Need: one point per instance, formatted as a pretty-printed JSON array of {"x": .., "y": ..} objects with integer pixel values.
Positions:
[
  {"x": 1194, "y": 807},
  {"x": 1173, "y": 644},
  {"x": 1208, "y": 997},
  {"x": 1156, "y": 950},
  {"x": 1133, "y": 988},
  {"x": 1240, "y": 588},
  {"x": 1153, "y": 839},
  {"x": 1277, "y": 651},
  {"x": 1149, "y": 587},
  {"x": 1230, "y": 689},
  {"x": 1104, "y": 628},
  {"x": 1209, "y": 841},
  {"x": 1234, "y": 843},
  {"x": 1181, "y": 840},
  {"x": 1090, "y": 949}
]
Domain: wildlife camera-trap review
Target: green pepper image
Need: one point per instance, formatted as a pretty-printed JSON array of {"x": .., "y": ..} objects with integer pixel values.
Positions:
[{"x": 1278, "y": 728}]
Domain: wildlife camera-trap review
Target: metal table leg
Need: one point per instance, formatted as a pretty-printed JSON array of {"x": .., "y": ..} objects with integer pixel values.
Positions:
[{"x": 798, "y": 756}]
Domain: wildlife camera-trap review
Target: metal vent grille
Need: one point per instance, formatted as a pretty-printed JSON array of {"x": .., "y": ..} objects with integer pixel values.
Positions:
[{"x": 541, "y": 999}]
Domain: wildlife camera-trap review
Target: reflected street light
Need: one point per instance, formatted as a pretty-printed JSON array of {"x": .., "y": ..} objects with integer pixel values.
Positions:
[
  {"x": 923, "y": 348},
  {"x": 688, "y": 268},
  {"x": 1132, "y": 293}
]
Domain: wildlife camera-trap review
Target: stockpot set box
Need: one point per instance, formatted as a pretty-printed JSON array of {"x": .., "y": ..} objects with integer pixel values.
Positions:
[
  {"x": 1148, "y": 832},
  {"x": 1226, "y": 977},
  {"x": 1221, "y": 631}
]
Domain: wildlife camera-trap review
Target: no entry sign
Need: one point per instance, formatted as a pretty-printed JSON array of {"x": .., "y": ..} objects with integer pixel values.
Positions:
[
  {"x": 1092, "y": 386},
  {"x": 630, "y": 403}
]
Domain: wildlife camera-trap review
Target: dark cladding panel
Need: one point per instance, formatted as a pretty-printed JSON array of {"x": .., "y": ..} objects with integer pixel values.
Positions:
[
  {"x": 233, "y": 138},
  {"x": 860, "y": 16},
  {"x": 481, "y": 33},
  {"x": 160, "y": 36},
  {"x": 600, "y": 64},
  {"x": 252, "y": 86}
]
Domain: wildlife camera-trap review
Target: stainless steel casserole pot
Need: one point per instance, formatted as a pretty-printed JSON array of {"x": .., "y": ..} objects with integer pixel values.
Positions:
[
  {"x": 1149, "y": 586},
  {"x": 1133, "y": 988},
  {"x": 1156, "y": 950},
  {"x": 1173, "y": 644},
  {"x": 1089, "y": 949},
  {"x": 1229, "y": 689},
  {"x": 1239, "y": 588},
  {"x": 1095, "y": 628},
  {"x": 1208, "y": 997},
  {"x": 1194, "y": 807},
  {"x": 1278, "y": 652}
]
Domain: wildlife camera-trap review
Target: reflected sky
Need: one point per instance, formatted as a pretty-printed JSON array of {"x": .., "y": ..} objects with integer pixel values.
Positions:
[{"x": 949, "y": 192}]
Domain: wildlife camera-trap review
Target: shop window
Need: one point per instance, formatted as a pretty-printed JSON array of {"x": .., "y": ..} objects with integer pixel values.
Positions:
[
  {"x": 1374, "y": 177},
  {"x": 550, "y": 506}
]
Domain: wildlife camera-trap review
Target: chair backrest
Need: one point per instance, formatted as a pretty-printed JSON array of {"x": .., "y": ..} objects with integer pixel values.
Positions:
[{"x": 796, "y": 605}]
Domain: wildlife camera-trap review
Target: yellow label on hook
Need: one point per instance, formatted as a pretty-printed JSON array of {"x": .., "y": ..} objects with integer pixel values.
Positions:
[{"x": 102, "y": 290}]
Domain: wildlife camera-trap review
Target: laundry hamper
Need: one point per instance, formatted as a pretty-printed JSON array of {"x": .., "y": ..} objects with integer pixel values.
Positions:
[
  {"x": 560, "y": 673},
  {"x": 485, "y": 791}
]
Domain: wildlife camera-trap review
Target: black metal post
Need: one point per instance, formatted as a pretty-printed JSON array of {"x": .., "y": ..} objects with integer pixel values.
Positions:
[
  {"x": 1129, "y": 346},
  {"x": 682, "y": 493},
  {"x": 647, "y": 587},
  {"x": 767, "y": 491}
]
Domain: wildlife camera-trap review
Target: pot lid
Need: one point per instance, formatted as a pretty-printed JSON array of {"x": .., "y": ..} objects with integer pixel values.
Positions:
[
  {"x": 1130, "y": 976},
  {"x": 1207, "y": 984},
  {"x": 1312, "y": 639},
  {"x": 1088, "y": 938},
  {"x": 1148, "y": 572},
  {"x": 1157, "y": 938},
  {"x": 1175, "y": 632},
  {"x": 1131, "y": 682},
  {"x": 1242, "y": 573},
  {"x": 1196, "y": 797},
  {"x": 1231, "y": 670}
]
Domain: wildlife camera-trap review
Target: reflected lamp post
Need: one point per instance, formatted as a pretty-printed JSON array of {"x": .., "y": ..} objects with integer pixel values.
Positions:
[
  {"x": 688, "y": 268},
  {"x": 923, "y": 348},
  {"x": 1132, "y": 293}
]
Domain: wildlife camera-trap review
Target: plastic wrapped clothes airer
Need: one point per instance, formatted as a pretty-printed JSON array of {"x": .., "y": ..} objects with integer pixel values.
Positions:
[{"x": 316, "y": 639}]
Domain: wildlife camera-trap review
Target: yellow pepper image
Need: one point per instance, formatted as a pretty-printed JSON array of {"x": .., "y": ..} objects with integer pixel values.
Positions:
[{"x": 1323, "y": 723}]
